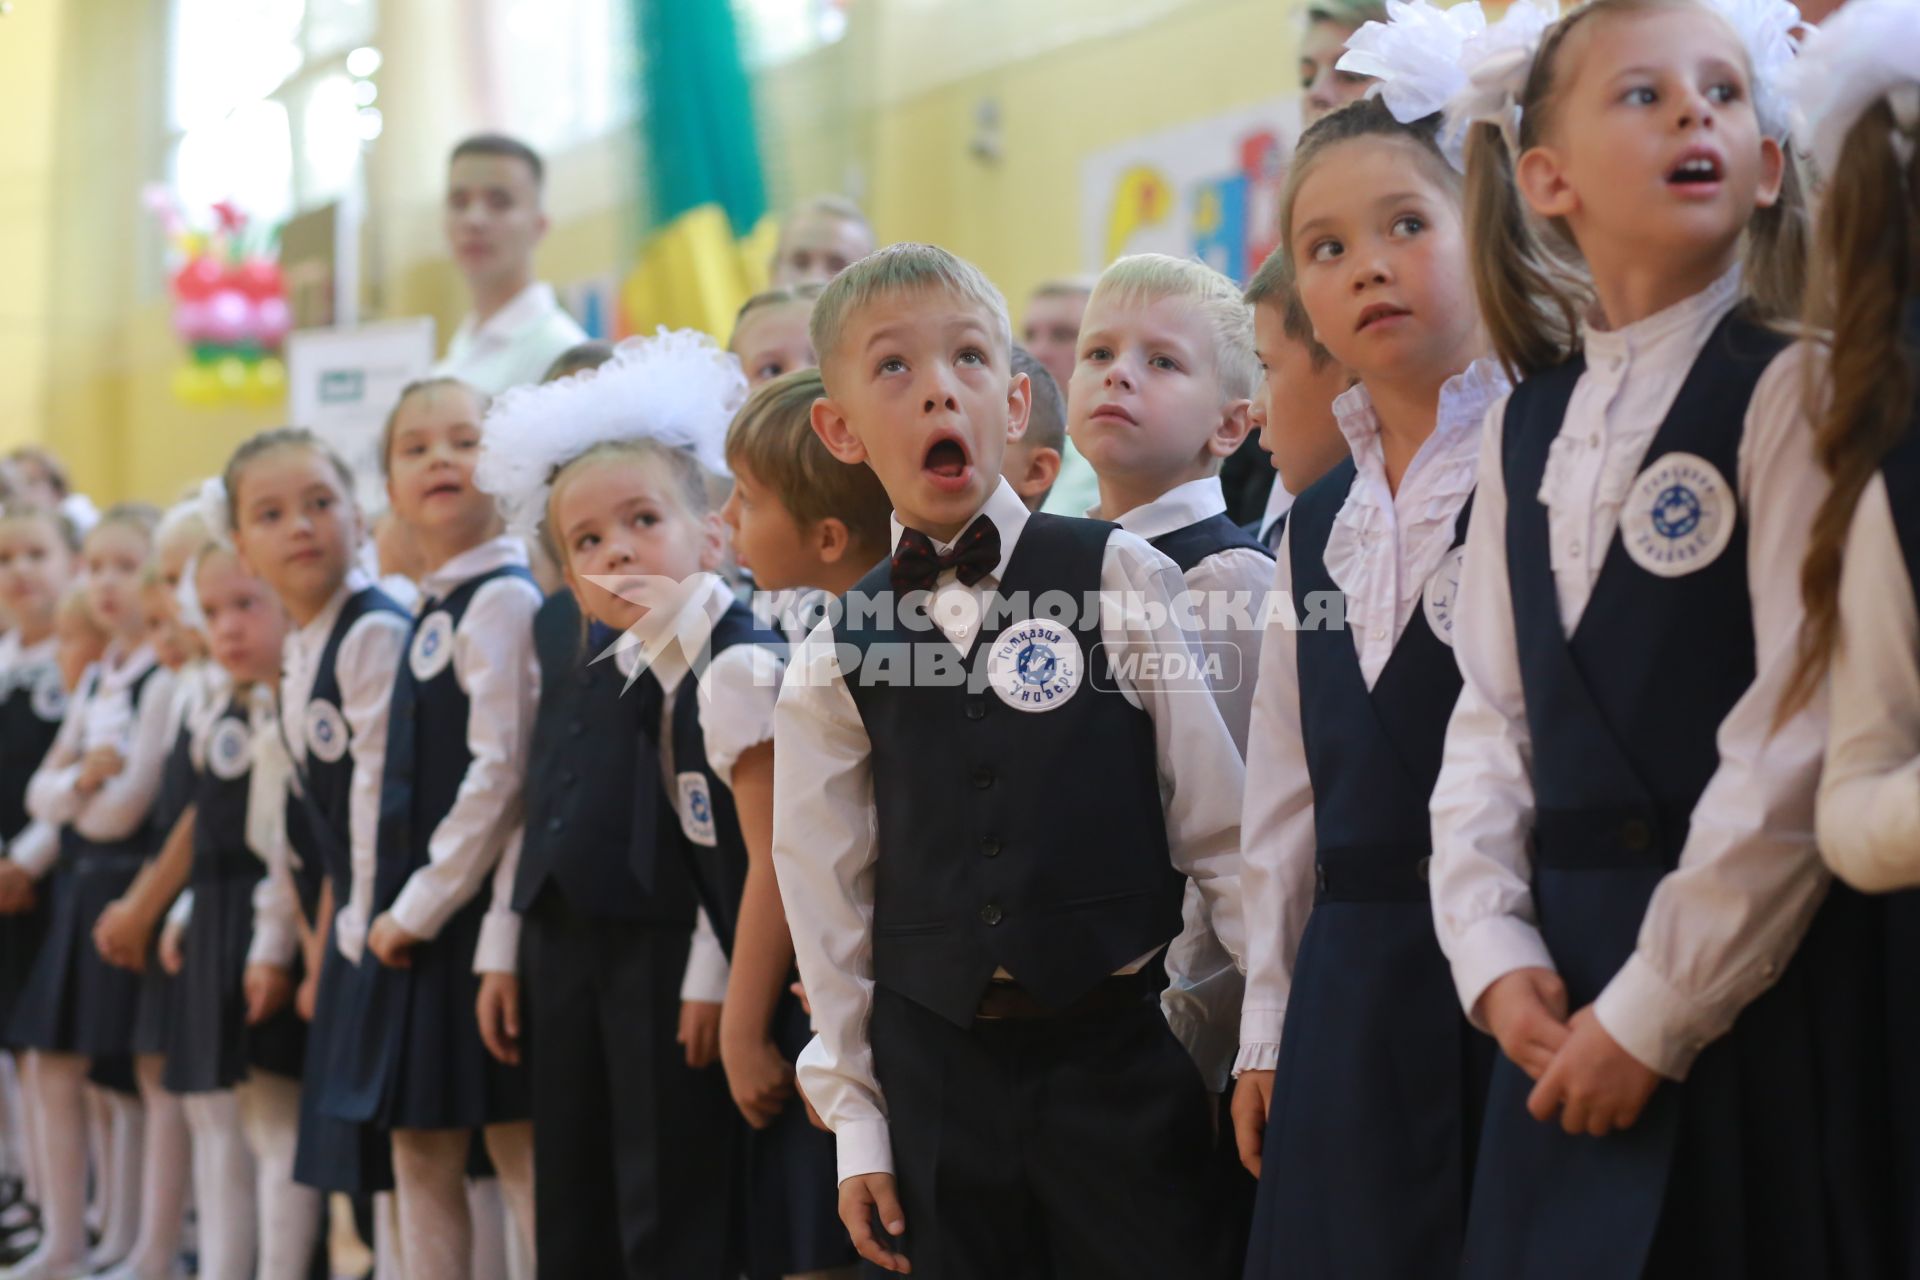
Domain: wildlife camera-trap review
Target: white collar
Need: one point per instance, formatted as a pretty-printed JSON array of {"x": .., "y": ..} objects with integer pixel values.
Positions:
[
  {"x": 1462, "y": 407},
  {"x": 1003, "y": 507},
  {"x": 669, "y": 646},
  {"x": 495, "y": 553},
  {"x": 1696, "y": 314},
  {"x": 15, "y": 654},
  {"x": 524, "y": 310},
  {"x": 1279, "y": 502},
  {"x": 119, "y": 668},
  {"x": 321, "y": 626},
  {"x": 1178, "y": 507}
]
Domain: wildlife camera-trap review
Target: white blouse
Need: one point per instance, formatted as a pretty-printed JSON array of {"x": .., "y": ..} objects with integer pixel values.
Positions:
[
  {"x": 33, "y": 671},
  {"x": 103, "y": 712}
]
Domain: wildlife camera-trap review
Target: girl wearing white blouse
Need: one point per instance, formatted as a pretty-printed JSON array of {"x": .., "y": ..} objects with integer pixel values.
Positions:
[
  {"x": 96, "y": 787},
  {"x": 1624, "y": 877}
]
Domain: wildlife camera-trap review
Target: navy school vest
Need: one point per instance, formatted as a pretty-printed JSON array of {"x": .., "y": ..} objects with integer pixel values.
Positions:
[
  {"x": 1029, "y": 840},
  {"x": 1623, "y": 715},
  {"x": 707, "y": 821},
  {"x": 220, "y": 789},
  {"x": 1373, "y": 754},
  {"x": 318, "y": 738},
  {"x": 1187, "y": 547},
  {"x": 32, "y": 704},
  {"x": 427, "y": 755},
  {"x": 593, "y": 783}
]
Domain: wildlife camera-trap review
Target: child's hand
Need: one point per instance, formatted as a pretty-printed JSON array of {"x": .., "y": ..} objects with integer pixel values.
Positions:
[
  {"x": 499, "y": 1012},
  {"x": 862, "y": 1197},
  {"x": 799, "y": 989},
  {"x": 309, "y": 991},
  {"x": 17, "y": 890},
  {"x": 391, "y": 945},
  {"x": 759, "y": 1076},
  {"x": 121, "y": 936},
  {"x": 1595, "y": 1085},
  {"x": 1527, "y": 1012},
  {"x": 267, "y": 988},
  {"x": 1252, "y": 1096},
  {"x": 171, "y": 957},
  {"x": 699, "y": 1032},
  {"x": 96, "y": 767}
]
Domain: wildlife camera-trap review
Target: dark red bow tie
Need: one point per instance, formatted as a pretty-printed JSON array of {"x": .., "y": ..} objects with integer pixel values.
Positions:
[{"x": 917, "y": 566}]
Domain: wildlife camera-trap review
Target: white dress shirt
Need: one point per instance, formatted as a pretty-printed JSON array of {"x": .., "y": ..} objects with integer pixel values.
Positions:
[
  {"x": 102, "y": 713},
  {"x": 825, "y": 840},
  {"x": 1869, "y": 810},
  {"x": 515, "y": 345},
  {"x": 33, "y": 671},
  {"x": 1723, "y": 924},
  {"x": 735, "y": 701},
  {"x": 364, "y": 666},
  {"x": 1387, "y": 544},
  {"x": 1273, "y": 518},
  {"x": 496, "y": 667}
]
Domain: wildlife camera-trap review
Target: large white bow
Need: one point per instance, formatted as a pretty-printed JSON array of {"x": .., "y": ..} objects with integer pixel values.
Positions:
[{"x": 1869, "y": 50}]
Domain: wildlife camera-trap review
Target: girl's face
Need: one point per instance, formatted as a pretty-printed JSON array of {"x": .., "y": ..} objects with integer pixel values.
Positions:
[
  {"x": 78, "y": 644},
  {"x": 1652, "y": 152},
  {"x": 245, "y": 623},
  {"x": 629, "y": 544},
  {"x": 436, "y": 441},
  {"x": 773, "y": 340},
  {"x": 171, "y": 553},
  {"x": 1323, "y": 86},
  {"x": 113, "y": 555},
  {"x": 1382, "y": 262},
  {"x": 296, "y": 525},
  {"x": 767, "y": 540},
  {"x": 35, "y": 566},
  {"x": 172, "y": 644}
]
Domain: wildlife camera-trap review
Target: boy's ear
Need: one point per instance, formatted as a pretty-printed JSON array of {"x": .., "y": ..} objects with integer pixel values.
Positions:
[
  {"x": 1542, "y": 183},
  {"x": 1019, "y": 406},
  {"x": 1036, "y": 480},
  {"x": 1236, "y": 419},
  {"x": 713, "y": 544},
  {"x": 830, "y": 424},
  {"x": 1773, "y": 173},
  {"x": 831, "y": 539}
]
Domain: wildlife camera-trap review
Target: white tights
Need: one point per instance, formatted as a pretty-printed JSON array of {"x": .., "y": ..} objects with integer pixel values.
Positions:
[
  {"x": 437, "y": 1223},
  {"x": 222, "y": 1186},
  {"x": 163, "y": 1191},
  {"x": 117, "y": 1171},
  {"x": 289, "y": 1214},
  {"x": 56, "y": 1091}
]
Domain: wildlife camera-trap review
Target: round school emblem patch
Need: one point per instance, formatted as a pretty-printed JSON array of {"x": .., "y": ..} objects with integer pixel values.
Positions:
[
  {"x": 696, "y": 809},
  {"x": 1442, "y": 592},
  {"x": 49, "y": 698},
  {"x": 432, "y": 646},
  {"x": 229, "y": 751},
  {"x": 326, "y": 731},
  {"x": 1035, "y": 665},
  {"x": 1679, "y": 515}
]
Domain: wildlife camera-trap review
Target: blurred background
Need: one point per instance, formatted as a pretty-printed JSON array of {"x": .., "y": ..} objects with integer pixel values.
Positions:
[{"x": 184, "y": 181}]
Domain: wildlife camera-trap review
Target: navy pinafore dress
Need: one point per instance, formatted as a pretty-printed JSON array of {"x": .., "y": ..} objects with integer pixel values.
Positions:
[{"x": 32, "y": 703}]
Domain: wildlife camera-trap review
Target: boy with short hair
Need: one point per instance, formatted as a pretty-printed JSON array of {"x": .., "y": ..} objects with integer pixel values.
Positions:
[
  {"x": 818, "y": 240},
  {"x": 982, "y": 940},
  {"x": 1032, "y": 463},
  {"x": 1293, "y": 403}
]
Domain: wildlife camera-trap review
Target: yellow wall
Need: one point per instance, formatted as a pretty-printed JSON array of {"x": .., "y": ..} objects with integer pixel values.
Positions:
[{"x": 887, "y": 114}]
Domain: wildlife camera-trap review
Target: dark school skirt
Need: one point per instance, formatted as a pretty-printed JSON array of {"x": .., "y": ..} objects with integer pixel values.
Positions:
[
  {"x": 73, "y": 1001},
  {"x": 209, "y": 1045},
  {"x": 335, "y": 1154},
  {"x": 20, "y": 938}
]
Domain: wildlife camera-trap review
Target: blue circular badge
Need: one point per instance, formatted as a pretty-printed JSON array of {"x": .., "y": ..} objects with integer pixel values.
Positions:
[
  {"x": 1679, "y": 515},
  {"x": 1035, "y": 665}
]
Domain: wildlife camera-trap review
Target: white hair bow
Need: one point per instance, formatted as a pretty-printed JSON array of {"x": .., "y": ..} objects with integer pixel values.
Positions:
[
  {"x": 1495, "y": 66},
  {"x": 1868, "y": 51},
  {"x": 1766, "y": 28},
  {"x": 1415, "y": 56}
]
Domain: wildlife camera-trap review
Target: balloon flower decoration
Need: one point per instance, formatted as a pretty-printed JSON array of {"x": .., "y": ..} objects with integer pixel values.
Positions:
[{"x": 229, "y": 307}]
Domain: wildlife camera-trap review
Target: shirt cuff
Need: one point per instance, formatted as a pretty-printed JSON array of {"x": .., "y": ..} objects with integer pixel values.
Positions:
[
  {"x": 707, "y": 972},
  {"x": 350, "y": 933},
  {"x": 498, "y": 949},
  {"x": 273, "y": 944},
  {"x": 863, "y": 1146},
  {"x": 35, "y": 850},
  {"x": 1208, "y": 1031},
  {"x": 1488, "y": 951},
  {"x": 1659, "y": 1026},
  {"x": 413, "y": 912},
  {"x": 180, "y": 914}
]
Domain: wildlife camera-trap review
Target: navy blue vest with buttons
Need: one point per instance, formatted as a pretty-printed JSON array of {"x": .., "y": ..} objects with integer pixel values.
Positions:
[
  {"x": 1373, "y": 755},
  {"x": 424, "y": 770},
  {"x": 1189, "y": 546},
  {"x": 1033, "y": 841},
  {"x": 220, "y": 849},
  {"x": 25, "y": 735},
  {"x": 1622, "y": 714},
  {"x": 593, "y": 782},
  {"x": 720, "y": 867},
  {"x": 318, "y": 826}
]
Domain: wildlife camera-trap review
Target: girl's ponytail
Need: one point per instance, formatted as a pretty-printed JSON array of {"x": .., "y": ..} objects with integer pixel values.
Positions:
[{"x": 1527, "y": 298}]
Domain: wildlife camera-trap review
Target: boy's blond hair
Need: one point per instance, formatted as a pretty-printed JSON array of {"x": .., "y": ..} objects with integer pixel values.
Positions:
[
  {"x": 897, "y": 269},
  {"x": 1047, "y": 403},
  {"x": 1274, "y": 285},
  {"x": 1149, "y": 277},
  {"x": 772, "y": 437}
]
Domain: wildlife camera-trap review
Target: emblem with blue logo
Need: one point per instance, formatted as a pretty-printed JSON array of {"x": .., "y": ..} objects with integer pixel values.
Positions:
[
  {"x": 1679, "y": 515},
  {"x": 696, "y": 809},
  {"x": 1442, "y": 593},
  {"x": 1034, "y": 665},
  {"x": 229, "y": 751},
  {"x": 432, "y": 646},
  {"x": 326, "y": 731},
  {"x": 49, "y": 696}
]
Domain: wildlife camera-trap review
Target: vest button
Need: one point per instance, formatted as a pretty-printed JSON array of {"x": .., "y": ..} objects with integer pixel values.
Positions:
[
  {"x": 1320, "y": 878},
  {"x": 1636, "y": 835},
  {"x": 991, "y": 913},
  {"x": 990, "y": 847},
  {"x": 1422, "y": 868},
  {"x": 976, "y": 708},
  {"x": 576, "y": 728},
  {"x": 554, "y": 824},
  {"x": 982, "y": 778}
]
